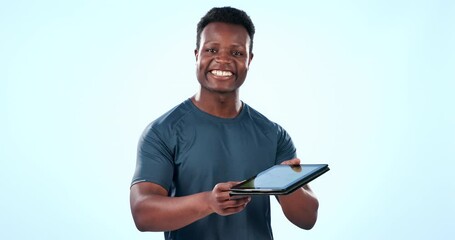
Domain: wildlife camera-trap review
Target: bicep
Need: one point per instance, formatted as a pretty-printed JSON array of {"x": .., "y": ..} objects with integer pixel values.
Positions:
[
  {"x": 143, "y": 196},
  {"x": 139, "y": 192}
]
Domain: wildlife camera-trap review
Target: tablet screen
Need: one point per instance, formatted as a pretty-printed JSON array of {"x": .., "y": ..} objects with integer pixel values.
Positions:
[{"x": 279, "y": 176}]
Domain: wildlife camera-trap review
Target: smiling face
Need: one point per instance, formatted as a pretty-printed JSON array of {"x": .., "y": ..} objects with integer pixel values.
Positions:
[{"x": 223, "y": 58}]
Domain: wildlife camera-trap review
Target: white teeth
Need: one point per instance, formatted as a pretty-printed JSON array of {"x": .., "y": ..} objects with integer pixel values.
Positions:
[{"x": 221, "y": 73}]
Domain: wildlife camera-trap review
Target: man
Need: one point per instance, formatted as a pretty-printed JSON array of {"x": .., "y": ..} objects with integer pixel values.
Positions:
[{"x": 190, "y": 157}]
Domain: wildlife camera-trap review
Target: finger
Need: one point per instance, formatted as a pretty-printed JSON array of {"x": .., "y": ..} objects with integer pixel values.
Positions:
[
  {"x": 238, "y": 196},
  {"x": 235, "y": 203},
  {"x": 222, "y": 196},
  {"x": 234, "y": 209},
  {"x": 231, "y": 184},
  {"x": 225, "y": 186},
  {"x": 292, "y": 161}
]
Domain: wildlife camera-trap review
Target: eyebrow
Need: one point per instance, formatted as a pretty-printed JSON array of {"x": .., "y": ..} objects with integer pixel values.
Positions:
[{"x": 217, "y": 43}]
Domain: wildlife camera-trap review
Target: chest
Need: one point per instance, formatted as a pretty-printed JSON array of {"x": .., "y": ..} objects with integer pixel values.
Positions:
[{"x": 207, "y": 154}]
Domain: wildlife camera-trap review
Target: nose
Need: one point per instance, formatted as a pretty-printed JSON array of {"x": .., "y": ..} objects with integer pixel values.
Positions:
[{"x": 223, "y": 57}]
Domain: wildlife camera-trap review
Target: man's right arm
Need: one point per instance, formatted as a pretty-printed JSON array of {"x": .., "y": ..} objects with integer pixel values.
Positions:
[{"x": 154, "y": 210}]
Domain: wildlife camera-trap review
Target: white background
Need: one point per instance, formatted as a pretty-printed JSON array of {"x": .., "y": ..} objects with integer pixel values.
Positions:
[{"x": 365, "y": 86}]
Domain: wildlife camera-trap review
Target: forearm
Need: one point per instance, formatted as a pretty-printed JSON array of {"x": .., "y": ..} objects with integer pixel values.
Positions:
[
  {"x": 300, "y": 207},
  {"x": 162, "y": 213}
]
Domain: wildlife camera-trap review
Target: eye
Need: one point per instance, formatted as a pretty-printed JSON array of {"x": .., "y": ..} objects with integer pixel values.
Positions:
[
  {"x": 237, "y": 53},
  {"x": 211, "y": 50}
]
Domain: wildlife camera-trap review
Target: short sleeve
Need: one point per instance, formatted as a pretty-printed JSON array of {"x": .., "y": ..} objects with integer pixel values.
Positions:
[
  {"x": 154, "y": 161},
  {"x": 285, "y": 147}
]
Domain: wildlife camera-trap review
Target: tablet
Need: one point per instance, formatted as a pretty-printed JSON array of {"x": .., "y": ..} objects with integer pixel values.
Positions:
[{"x": 279, "y": 179}]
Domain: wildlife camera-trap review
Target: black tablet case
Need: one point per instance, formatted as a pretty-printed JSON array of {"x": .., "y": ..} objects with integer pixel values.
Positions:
[{"x": 322, "y": 168}]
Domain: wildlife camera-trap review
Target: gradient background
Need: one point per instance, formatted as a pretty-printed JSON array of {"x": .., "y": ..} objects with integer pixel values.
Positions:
[{"x": 365, "y": 86}]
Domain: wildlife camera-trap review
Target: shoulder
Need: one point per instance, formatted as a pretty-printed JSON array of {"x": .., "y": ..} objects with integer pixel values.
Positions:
[
  {"x": 262, "y": 121},
  {"x": 169, "y": 121}
]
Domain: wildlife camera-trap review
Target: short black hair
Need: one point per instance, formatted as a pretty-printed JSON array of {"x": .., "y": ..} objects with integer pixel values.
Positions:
[{"x": 226, "y": 15}]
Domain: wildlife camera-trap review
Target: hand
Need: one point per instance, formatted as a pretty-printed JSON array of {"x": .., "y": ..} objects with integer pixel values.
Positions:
[
  {"x": 221, "y": 202},
  {"x": 294, "y": 161}
]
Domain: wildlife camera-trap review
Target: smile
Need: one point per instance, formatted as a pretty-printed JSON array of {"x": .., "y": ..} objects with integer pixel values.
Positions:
[{"x": 221, "y": 73}]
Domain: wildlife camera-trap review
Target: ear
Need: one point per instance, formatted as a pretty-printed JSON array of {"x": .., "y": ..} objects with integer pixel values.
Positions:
[
  {"x": 196, "y": 54},
  {"x": 251, "y": 59}
]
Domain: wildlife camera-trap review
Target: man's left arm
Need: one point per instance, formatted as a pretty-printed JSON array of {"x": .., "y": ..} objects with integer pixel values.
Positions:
[{"x": 301, "y": 206}]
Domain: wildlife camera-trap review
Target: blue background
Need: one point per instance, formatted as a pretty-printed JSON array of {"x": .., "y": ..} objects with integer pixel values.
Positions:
[{"x": 365, "y": 86}]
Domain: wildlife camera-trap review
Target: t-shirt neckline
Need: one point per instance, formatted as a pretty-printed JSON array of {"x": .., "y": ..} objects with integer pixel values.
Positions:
[{"x": 209, "y": 116}]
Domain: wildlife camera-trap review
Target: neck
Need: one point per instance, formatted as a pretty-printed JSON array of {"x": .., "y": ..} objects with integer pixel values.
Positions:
[{"x": 221, "y": 105}]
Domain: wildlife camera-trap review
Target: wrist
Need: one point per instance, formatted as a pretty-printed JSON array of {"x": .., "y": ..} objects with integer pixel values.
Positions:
[{"x": 206, "y": 206}]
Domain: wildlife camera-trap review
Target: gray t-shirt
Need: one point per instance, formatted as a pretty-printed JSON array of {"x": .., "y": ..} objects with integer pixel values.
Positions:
[{"x": 188, "y": 151}]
